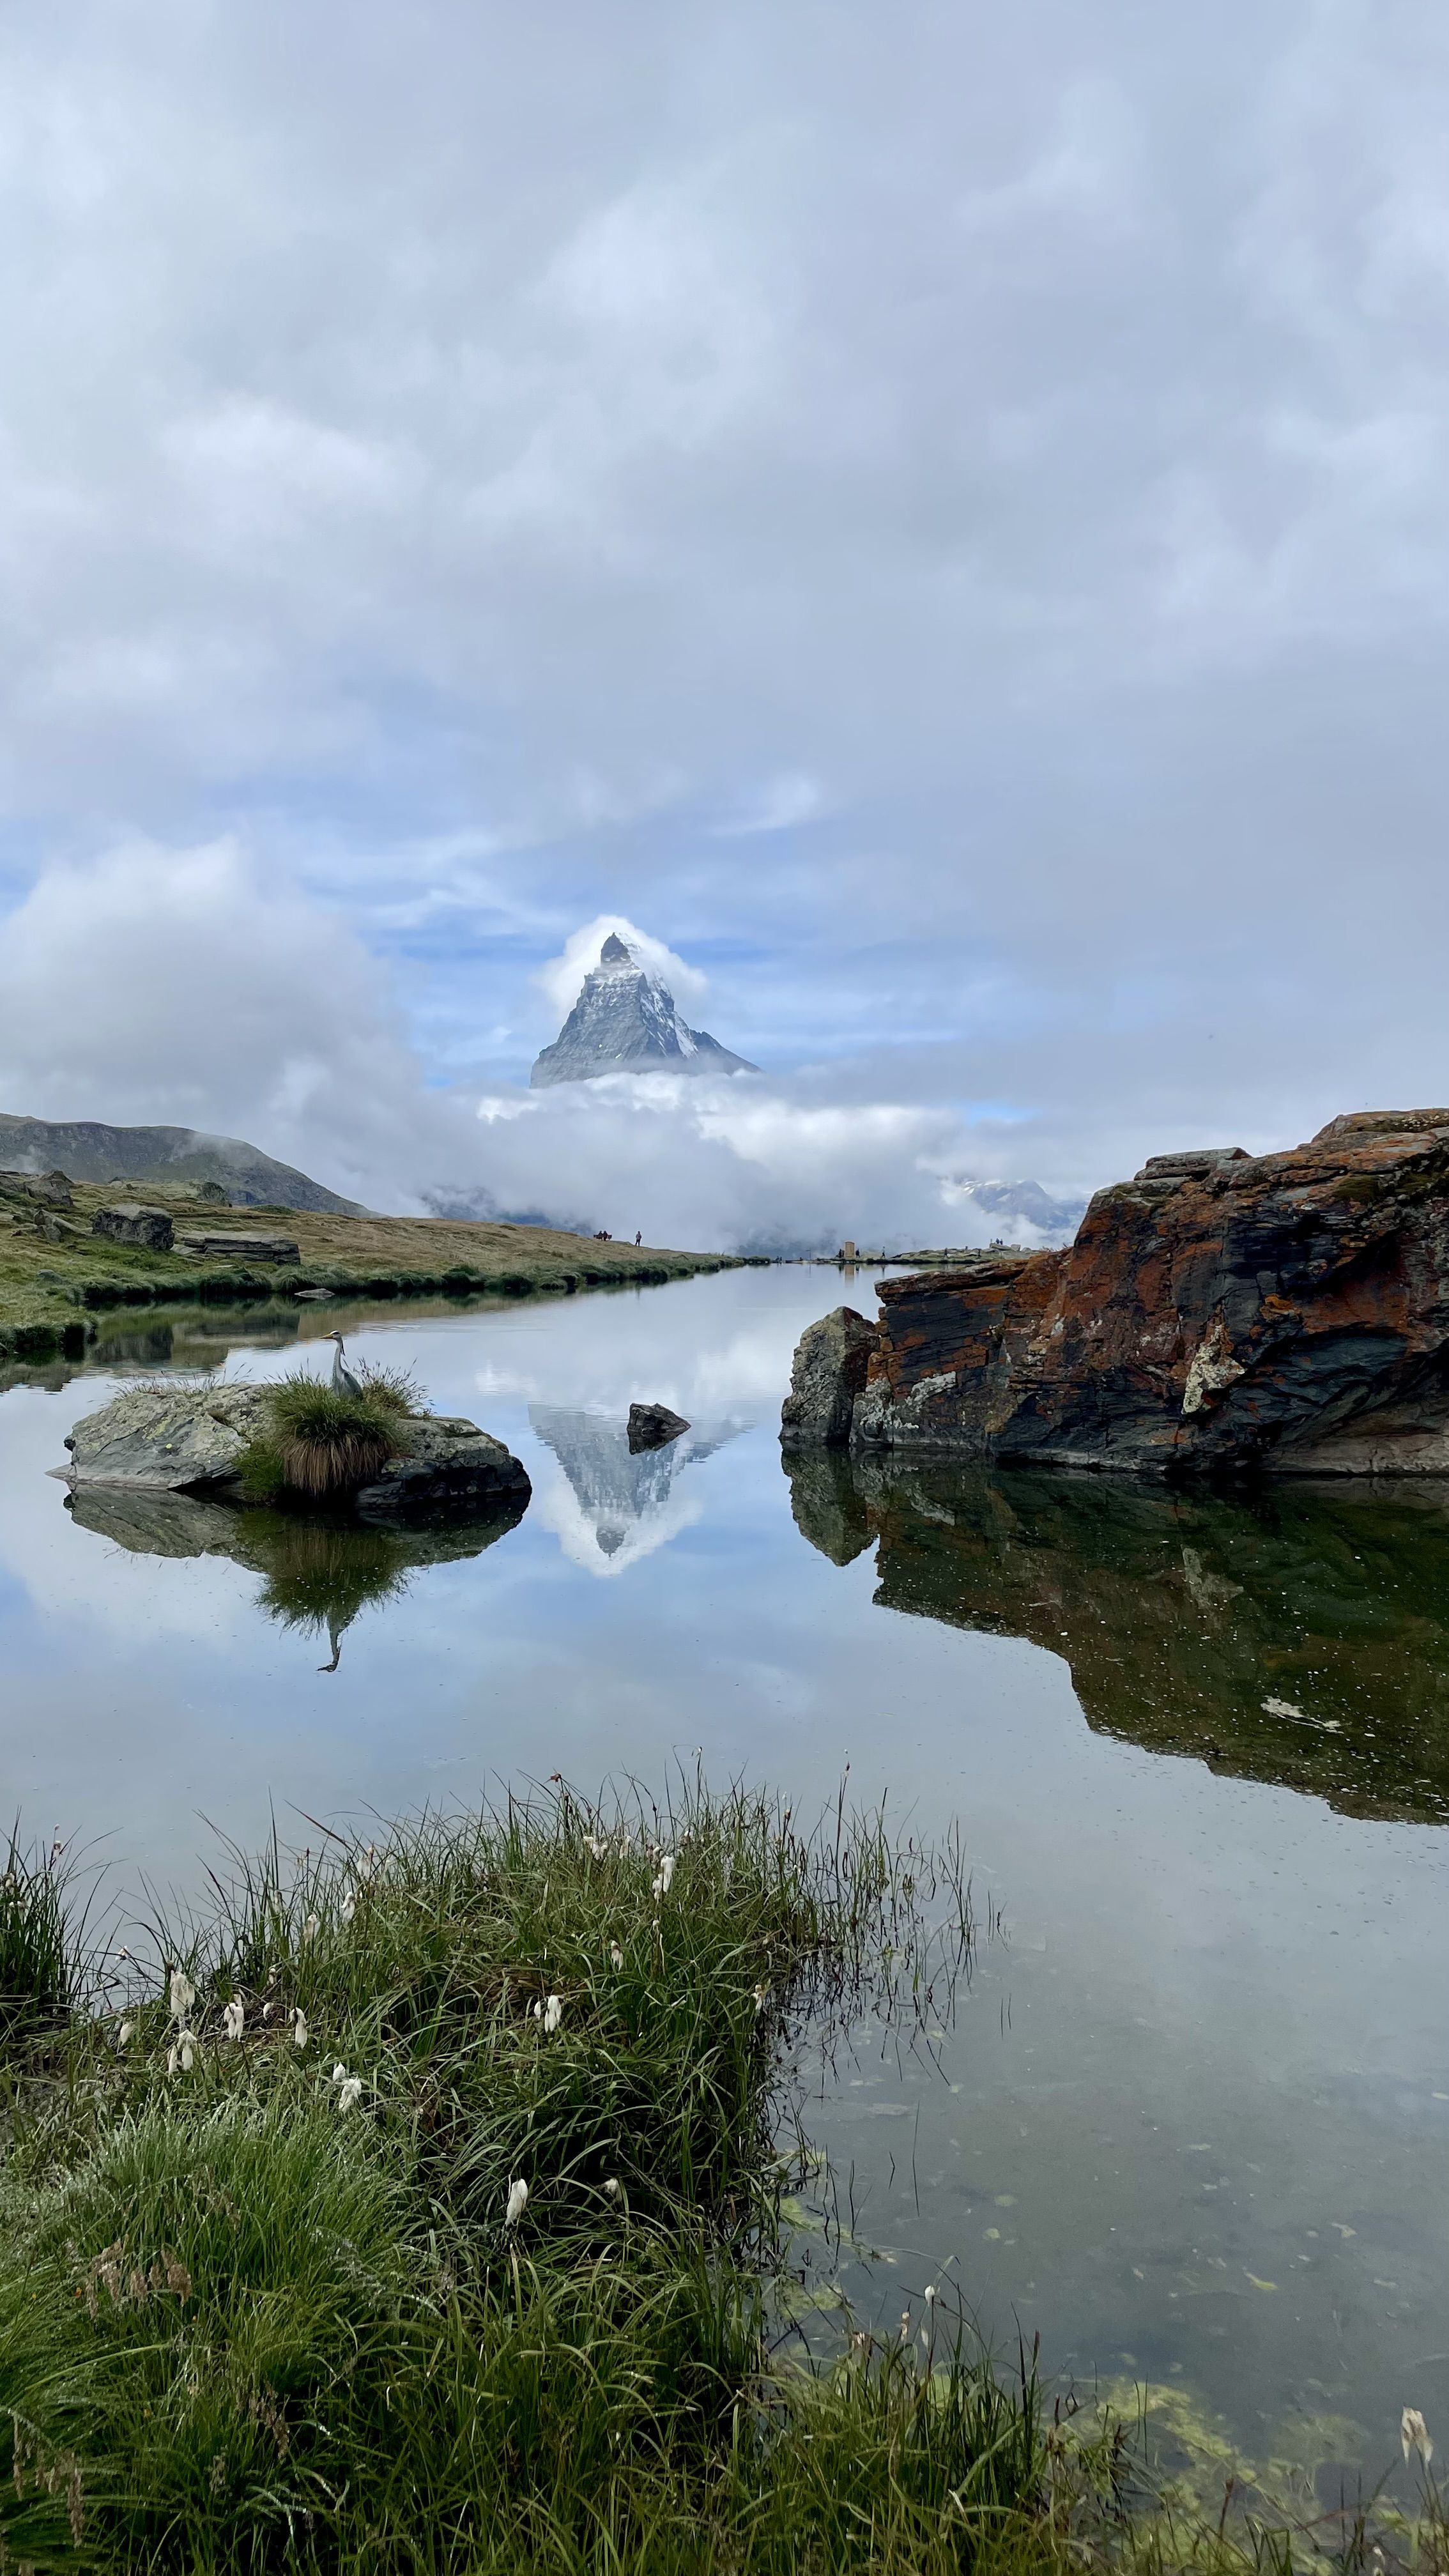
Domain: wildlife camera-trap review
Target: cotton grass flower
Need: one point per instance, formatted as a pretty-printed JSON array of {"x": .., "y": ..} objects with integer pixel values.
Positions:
[
  {"x": 188, "y": 2052},
  {"x": 616, "y": 1957},
  {"x": 234, "y": 2017},
  {"x": 517, "y": 2203},
  {"x": 183, "y": 1994},
  {"x": 125, "y": 2034},
  {"x": 664, "y": 1874},
  {"x": 762, "y": 1997},
  {"x": 299, "y": 2027},
  {"x": 349, "y": 2093},
  {"x": 552, "y": 2015},
  {"x": 349, "y": 1906},
  {"x": 311, "y": 1928},
  {"x": 611, "y": 2189},
  {"x": 1415, "y": 2435}
]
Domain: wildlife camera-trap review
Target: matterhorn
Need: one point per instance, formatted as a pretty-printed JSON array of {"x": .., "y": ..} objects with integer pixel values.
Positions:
[{"x": 624, "y": 1021}]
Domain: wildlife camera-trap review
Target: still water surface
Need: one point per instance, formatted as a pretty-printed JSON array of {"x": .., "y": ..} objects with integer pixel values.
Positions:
[{"x": 1190, "y": 2120}]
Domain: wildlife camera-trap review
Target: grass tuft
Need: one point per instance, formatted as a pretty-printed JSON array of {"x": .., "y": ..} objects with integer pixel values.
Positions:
[
  {"x": 325, "y": 1444},
  {"x": 40, "y": 1974}
]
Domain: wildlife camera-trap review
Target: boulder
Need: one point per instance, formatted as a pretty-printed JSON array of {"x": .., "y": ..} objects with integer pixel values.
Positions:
[
  {"x": 653, "y": 1426},
  {"x": 237, "y": 1246},
  {"x": 1222, "y": 1312},
  {"x": 189, "y": 1439},
  {"x": 447, "y": 1464},
  {"x": 168, "y": 1439},
  {"x": 829, "y": 1374},
  {"x": 148, "y": 1226}
]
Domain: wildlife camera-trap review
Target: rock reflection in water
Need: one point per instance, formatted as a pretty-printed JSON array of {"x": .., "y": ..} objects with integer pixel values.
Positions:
[
  {"x": 619, "y": 1504},
  {"x": 1302, "y": 1638},
  {"x": 316, "y": 1574}
]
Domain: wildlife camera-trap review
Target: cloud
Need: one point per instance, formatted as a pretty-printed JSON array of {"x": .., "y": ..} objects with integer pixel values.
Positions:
[
  {"x": 562, "y": 977},
  {"x": 957, "y": 534}
]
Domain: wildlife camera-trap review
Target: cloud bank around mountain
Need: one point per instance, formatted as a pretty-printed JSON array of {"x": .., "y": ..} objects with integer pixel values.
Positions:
[{"x": 952, "y": 536}]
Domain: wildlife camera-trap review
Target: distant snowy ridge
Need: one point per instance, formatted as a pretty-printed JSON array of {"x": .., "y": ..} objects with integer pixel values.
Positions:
[
  {"x": 1016, "y": 1211},
  {"x": 625, "y": 1021}
]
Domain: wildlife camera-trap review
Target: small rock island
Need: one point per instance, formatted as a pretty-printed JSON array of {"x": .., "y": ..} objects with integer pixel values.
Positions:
[
  {"x": 1220, "y": 1313},
  {"x": 194, "y": 1440}
]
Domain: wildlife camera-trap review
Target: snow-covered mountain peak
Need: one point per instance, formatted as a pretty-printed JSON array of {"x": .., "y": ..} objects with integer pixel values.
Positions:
[{"x": 625, "y": 1021}]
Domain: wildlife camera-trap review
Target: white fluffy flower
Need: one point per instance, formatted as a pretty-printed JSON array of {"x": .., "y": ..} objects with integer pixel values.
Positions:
[
  {"x": 299, "y": 2027},
  {"x": 664, "y": 1874},
  {"x": 552, "y": 2015},
  {"x": 234, "y": 2016},
  {"x": 311, "y": 1927},
  {"x": 616, "y": 1956},
  {"x": 125, "y": 2034},
  {"x": 517, "y": 2203},
  {"x": 762, "y": 1997},
  {"x": 349, "y": 2093},
  {"x": 1415, "y": 2435},
  {"x": 183, "y": 1994},
  {"x": 349, "y": 1906},
  {"x": 187, "y": 2047}
]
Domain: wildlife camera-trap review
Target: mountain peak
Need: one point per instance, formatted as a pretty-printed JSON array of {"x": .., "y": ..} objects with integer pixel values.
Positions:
[{"x": 625, "y": 1021}]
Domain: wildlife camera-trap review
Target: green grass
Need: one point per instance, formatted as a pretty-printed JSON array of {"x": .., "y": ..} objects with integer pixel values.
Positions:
[
  {"x": 244, "y": 2328},
  {"x": 41, "y": 1974}
]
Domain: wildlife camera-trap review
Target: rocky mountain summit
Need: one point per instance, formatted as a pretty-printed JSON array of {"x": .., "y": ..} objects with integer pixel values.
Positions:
[
  {"x": 85, "y": 1149},
  {"x": 625, "y": 1021},
  {"x": 1220, "y": 1312}
]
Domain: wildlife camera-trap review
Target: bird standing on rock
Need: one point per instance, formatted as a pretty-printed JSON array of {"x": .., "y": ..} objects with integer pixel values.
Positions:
[{"x": 343, "y": 1381}]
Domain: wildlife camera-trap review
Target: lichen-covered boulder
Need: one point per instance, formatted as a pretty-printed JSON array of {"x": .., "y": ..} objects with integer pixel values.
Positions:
[
  {"x": 150, "y": 1227},
  {"x": 169, "y": 1439},
  {"x": 189, "y": 1439},
  {"x": 829, "y": 1372}
]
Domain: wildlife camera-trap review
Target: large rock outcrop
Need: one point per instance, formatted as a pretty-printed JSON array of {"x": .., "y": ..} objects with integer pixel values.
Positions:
[
  {"x": 828, "y": 1375},
  {"x": 1221, "y": 1312},
  {"x": 189, "y": 1440}
]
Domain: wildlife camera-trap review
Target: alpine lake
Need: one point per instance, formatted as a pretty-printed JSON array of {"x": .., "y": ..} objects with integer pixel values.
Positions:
[{"x": 1187, "y": 2117}]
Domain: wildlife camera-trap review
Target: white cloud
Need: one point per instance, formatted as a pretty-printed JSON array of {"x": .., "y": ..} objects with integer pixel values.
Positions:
[{"x": 561, "y": 979}]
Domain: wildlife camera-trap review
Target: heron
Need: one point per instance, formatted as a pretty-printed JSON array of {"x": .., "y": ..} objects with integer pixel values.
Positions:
[{"x": 343, "y": 1381}]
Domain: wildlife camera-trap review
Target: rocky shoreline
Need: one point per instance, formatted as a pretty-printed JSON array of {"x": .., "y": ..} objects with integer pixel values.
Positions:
[{"x": 1220, "y": 1313}]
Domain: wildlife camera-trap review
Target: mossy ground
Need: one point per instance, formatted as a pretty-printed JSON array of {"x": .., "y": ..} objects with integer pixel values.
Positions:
[{"x": 46, "y": 1285}]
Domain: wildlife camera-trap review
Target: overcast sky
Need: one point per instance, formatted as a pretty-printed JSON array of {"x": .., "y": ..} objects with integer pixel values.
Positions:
[{"x": 939, "y": 515}]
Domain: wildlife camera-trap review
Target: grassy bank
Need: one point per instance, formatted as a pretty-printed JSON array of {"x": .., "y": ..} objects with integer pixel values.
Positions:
[
  {"x": 272, "y": 2292},
  {"x": 54, "y": 1271},
  {"x": 420, "y": 2209}
]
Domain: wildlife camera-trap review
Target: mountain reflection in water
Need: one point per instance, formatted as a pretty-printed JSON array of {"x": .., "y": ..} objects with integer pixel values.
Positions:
[
  {"x": 617, "y": 1505},
  {"x": 316, "y": 1574},
  {"x": 1301, "y": 1638}
]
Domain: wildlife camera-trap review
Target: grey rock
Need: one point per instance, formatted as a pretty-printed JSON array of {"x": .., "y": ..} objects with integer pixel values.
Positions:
[
  {"x": 625, "y": 1021},
  {"x": 651, "y": 1426},
  {"x": 237, "y": 1247},
  {"x": 828, "y": 1374},
  {"x": 167, "y": 1438},
  {"x": 189, "y": 1439},
  {"x": 448, "y": 1464},
  {"x": 150, "y": 1227}
]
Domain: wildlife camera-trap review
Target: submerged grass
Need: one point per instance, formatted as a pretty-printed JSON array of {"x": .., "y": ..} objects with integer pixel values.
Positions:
[{"x": 424, "y": 2219}]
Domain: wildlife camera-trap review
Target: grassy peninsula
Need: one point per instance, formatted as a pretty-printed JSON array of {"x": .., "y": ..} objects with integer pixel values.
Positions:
[{"x": 55, "y": 1271}]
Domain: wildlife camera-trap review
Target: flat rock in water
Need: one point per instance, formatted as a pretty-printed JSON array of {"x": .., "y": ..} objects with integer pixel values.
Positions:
[
  {"x": 190, "y": 1439},
  {"x": 168, "y": 1439},
  {"x": 653, "y": 1426}
]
